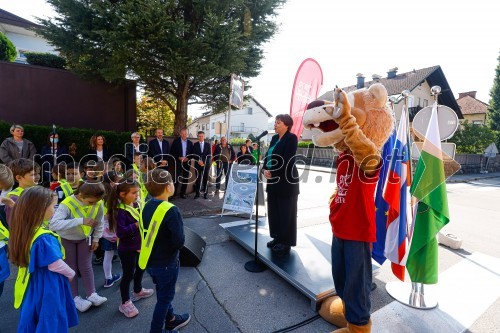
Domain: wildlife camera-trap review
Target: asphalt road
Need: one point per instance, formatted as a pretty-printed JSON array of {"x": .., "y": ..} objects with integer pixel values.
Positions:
[{"x": 223, "y": 297}]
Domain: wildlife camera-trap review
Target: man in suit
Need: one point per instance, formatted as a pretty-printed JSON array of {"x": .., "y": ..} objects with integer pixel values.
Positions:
[
  {"x": 181, "y": 149},
  {"x": 134, "y": 146},
  {"x": 159, "y": 149},
  {"x": 203, "y": 157},
  {"x": 224, "y": 155}
]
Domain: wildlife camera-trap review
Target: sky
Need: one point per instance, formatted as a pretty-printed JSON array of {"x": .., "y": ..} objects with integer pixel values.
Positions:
[{"x": 365, "y": 36}]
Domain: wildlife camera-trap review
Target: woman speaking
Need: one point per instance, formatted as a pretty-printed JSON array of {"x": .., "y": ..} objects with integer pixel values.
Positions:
[{"x": 282, "y": 186}]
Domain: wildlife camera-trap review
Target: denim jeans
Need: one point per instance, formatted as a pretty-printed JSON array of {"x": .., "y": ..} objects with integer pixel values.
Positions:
[
  {"x": 352, "y": 275},
  {"x": 164, "y": 278}
]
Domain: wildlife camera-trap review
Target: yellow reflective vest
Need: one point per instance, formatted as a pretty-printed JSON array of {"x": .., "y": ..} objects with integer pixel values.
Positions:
[
  {"x": 66, "y": 188},
  {"x": 79, "y": 210},
  {"x": 149, "y": 235},
  {"x": 4, "y": 233},
  {"x": 17, "y": 192},
  {"x": 23, "y": 275},
  {"x": 133, "y": 211}
]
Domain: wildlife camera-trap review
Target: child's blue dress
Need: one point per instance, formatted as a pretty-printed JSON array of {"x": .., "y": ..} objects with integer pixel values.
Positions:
[{"x": 47, "y": 305}]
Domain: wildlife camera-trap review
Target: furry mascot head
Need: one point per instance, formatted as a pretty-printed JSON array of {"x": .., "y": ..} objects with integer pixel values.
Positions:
[
  {"x": 368, "y": 106},
  {"x": 356, "y": 124}
]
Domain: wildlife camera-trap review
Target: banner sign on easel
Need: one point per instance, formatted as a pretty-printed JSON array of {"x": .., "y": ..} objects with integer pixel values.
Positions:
[{"x": 241, "y": 188}]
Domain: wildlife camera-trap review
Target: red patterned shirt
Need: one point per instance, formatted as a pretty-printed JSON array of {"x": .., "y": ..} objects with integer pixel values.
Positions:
[{"x": 352, "y": 210}]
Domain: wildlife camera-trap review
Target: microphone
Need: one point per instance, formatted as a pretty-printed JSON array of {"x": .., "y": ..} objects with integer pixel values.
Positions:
[{"x": 261, "y": 135}]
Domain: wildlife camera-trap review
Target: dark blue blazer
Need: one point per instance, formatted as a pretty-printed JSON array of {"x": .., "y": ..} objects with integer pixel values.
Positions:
[
  {"x": 155, "y": 152},
  {"x": 176, "y": 150},
  {"x": 205, "y": 155},
  {"x": 285, "y": 177},
  {"x": 129, "y": 151}
]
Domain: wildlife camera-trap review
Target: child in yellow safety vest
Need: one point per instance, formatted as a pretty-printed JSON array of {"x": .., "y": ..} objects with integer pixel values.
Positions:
[
  {"x": 27, "y": 174},
  {"x": 42, "y": 285},
  {"x": 123, "y": 217},
  {"x": 6, "y": 183},
  {"x": 78, "y": 220},
  {"x": 163, "y": 237},
  {"x": 70, "y": 177}
]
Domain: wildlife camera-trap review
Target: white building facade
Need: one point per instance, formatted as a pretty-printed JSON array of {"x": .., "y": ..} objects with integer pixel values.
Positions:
[
  {"x": 253, "y": 119},
  {"x": 25, "y": 40}
]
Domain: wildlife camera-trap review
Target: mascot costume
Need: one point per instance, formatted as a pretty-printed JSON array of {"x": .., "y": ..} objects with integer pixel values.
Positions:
[{"x": 357, "y": 125}]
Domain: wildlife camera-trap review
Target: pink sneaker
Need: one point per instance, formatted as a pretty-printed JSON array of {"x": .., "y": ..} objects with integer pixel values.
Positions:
[
  {"x": 128, "y": 309},
  {"x": 144, "y": 293}
]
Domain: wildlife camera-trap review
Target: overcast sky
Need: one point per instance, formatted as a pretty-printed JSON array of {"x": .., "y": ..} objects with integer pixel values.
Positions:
[{"x": 368, "y": 37}]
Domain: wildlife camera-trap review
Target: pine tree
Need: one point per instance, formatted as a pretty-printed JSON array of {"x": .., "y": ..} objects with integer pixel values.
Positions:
[
  {"x": 182, "y": 51},
  {"x": 7, "y": 49},
  {"x": 494, "y": 109}
]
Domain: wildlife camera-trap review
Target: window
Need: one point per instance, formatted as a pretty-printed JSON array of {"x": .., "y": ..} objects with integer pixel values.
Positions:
[
  {"x": 213, "y": 125},
  {"x": 243, "y": 127},
  {"x": 418, "y": 101},
  {"x": 477, "y": 122},
  {"x": 250, "y": 111},
  {"x": 426, "y": 102}
]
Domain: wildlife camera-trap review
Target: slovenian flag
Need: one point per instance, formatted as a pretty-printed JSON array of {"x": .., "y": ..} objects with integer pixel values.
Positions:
[{"x": 395, "y": 194}]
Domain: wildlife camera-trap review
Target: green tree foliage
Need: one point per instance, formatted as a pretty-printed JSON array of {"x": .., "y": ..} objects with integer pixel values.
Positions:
[
  {"x": 153, "y": 113},
  {"x": 473, "y": 139},
  {"x": 181, "y": 51},
  {"x": 45, "y": 59},
  {"x": 7, "y": 49},
  {"x": 494, "y": 109}
]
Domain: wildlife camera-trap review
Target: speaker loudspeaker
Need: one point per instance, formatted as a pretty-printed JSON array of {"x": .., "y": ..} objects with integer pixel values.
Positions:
[{"x": 192, "y": 252}]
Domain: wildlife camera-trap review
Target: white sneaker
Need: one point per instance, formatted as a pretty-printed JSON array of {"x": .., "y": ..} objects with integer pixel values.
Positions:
[
  {"x": 82, "y": 304},
  {"x": 96, "y": 299}
]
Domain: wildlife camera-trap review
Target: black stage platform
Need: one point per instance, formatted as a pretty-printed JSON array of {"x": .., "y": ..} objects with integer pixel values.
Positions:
[{"x": 307, "y": 268}]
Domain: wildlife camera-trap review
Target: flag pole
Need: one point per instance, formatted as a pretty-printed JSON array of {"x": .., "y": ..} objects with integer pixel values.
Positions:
[{"x": 412, "y": 294}]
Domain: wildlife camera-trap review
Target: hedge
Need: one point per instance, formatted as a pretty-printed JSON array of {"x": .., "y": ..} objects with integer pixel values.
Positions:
[
  {"x": 38, "y": 134},
  {"x": 45, "y": 59}
]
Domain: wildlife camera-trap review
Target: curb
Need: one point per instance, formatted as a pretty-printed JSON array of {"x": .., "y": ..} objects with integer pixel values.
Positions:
[{"x": 472, "y": 179}]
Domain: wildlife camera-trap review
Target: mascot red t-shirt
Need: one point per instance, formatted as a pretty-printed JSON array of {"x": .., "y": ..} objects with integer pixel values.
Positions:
[{"x": 352, "y": 213}]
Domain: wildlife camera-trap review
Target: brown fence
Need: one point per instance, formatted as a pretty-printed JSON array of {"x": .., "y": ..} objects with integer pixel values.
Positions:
[{"x": 45, "y": 96}]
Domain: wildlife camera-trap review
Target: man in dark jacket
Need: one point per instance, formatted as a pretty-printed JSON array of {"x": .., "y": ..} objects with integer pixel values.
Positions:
[
  {"x": 181, "y": 149},
  {"x": 159, "y": 149},
  {"x": 203, "y": 158},
  {"x": 224, "y": 155}
]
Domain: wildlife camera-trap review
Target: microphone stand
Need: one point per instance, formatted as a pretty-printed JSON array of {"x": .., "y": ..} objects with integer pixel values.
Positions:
[
  {"x": 255, "y": 265},
  {"x": 54, "y": 157}
]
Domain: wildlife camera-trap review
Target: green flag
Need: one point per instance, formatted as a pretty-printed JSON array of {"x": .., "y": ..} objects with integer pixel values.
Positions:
[{"x": 429, "y": 188}]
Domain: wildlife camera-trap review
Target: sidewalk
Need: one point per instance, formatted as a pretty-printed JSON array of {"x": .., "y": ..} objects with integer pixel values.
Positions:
[{"x": 222, "y": 296}]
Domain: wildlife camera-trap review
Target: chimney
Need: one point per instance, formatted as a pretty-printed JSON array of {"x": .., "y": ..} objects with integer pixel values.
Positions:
[
  {"x": 360, "y": 81},
  {"x": 391, "y": 73},
  {"x": 467, "y": 93},
  {"x": 376, "y": 77}
]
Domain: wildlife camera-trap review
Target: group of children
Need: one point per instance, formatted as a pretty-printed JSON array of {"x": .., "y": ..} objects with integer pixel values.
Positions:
[{"x": 51, "y": 235}]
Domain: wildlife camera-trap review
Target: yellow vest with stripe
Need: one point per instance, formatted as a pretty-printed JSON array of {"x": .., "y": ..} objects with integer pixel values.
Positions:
[
  {"x": 17, "y": 192},
  {"x": 23, "y": 275},
  {"x": 149, "y": 235},
  {"x": 4, "y": 233},
  {"x": 66, "y": 188},
  {"x": 133, "y": 211},
  {"x": 79, "y": 210}
]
